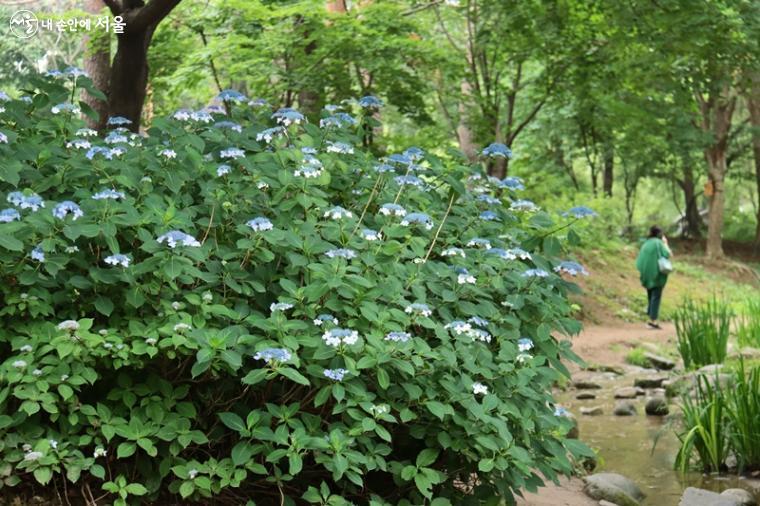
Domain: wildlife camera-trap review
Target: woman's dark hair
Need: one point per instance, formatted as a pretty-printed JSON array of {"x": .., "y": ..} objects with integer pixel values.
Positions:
[{"x": 655, "y": 231}]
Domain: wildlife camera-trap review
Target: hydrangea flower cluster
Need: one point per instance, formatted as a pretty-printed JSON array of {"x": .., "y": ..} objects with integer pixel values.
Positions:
[
  {"x": 273, "y": 355},
  {"x": 418, "y": 308},
  {"x": 338, "y": 336},
  {"x": 335, "y": 374},
  {"x": 325, "y": 318},
  {"x": 65, "y": 208},
  {"x": 118, "y": 259},
  {"x": 260, "y": 224},
  {"x": 398, "y": 337},
  {"x": 176, "y": 238}
]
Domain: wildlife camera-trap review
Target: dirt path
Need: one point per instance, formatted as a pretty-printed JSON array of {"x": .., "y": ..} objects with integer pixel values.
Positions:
[{"x": 605, "y": 344}]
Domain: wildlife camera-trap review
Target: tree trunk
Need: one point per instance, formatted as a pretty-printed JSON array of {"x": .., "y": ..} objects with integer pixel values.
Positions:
[
  {"x": 609, "y": 162},
  {"x": 716, "y": 120},
  {"x": 753, "y": 104},
  {"x": 464, "y": 134},
  {"x": 693, "y": 227},
  {"x": 129, "y": 76},
  {"x": 97, "y": 64}
]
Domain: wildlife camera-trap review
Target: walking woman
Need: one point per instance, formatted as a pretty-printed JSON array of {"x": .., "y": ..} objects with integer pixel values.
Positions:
[{"x": 654, "y": 271}]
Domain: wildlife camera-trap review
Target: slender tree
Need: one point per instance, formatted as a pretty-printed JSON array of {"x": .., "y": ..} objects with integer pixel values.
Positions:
[{"x": 97, "y": 64}]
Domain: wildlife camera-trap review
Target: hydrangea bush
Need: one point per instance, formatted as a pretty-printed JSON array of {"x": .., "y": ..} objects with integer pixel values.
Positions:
[{"x": 250, "y": 307}]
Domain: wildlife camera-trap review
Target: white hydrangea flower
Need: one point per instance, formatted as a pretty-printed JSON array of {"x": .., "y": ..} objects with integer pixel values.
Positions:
[
  {"x": 479, "y": 388},
  {"x": 70, "y": 325}
]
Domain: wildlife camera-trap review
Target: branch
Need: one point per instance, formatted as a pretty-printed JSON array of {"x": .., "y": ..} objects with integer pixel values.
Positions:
[
  {"x": 151, "y": 14},
  {"x": 421, "y": 8},
  {"x": 114, "y": 6}
]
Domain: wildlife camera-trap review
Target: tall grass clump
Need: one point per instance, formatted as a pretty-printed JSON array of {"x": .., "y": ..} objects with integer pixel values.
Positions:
[
  {"x": 719, "y": 421},
  {"x": 703, "y": 330},
  {"x": 748, "y": 324}
]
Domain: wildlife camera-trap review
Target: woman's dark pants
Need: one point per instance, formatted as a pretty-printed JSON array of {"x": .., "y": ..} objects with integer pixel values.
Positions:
[{"x": 654, "y": 297}]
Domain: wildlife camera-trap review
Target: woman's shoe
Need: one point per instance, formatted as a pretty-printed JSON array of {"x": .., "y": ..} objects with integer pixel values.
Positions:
[{"x": 654, "y": 325}]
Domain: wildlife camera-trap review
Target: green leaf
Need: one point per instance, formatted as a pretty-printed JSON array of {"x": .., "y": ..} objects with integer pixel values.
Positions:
[
  {"x": 382, "y": 378},
  {"x": 186, "y": 489},
  {"x": 427, "y": 457},
  {"x": 43, "y": 475},
  {"x": 125, "y": 450},
  {"x": 408, "y": 472},
  {"x": 294, "y": 375},
  {"x": 136, "y": 489},
  {"x": 104, "y": 305},
  {"x": 233, "y": 421},
  {"x": 11, "y": 243},
  {"x": 255, "y": 376},
  {"x": 241, "y": 453}
]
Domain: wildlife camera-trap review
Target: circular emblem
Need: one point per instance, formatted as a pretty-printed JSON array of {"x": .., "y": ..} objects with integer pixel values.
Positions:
[{"x": 24, "y": 24}]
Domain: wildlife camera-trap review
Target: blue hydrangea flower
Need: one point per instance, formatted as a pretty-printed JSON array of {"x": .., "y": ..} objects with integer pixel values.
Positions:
[
  {"x": 325, "y": 318},
  {"x": 258, "y": 102},
  {"x": 3, "y": 138},
  {"x": 418, "y": 308},
  {"x": 231, "y": 96},
  {"x": 38, "y": 254},
  {"x": 182, "y": 115},
  {"x": 420, "y": 219},
  {"x": 118, "y": 259},
  {"x": 580, "y": 212},
  {"x": 371, "y": 235},
  {"x": 4, "y": 97},
  {"x": 489, "y": 216},
  {"x": 223, "y": 170},
  {"x": 381, "y": 168},
  {"x": 453, "y": 252},
  {"x": 560, "y": 411},
  {"x": 201, "y": 117},
  {"x": 458, "y": 327},
  {"x": 311, "y": 168},
  {"x": 488, "y": 199},
  {"x": 229, "y": 125},
  {"x": 338, "y": 213},
  {"x": 331, "y": 108},
  {"x": 535, "y": 273},
  {"x": 392, "y": 210},
  {"x": 232, "y": 153},
  {"x": 511, "y": 254},
  {"x": 478, "y": 321},
  {"x": 572, "y": 268},
  {"x": 260, "y": 224},
  {"x": 269, "y": 134},
  {"x": 523, "y": 205},
  {"x": 335, "y": 374},
  {"x": 464, "y": 277},
  {"x": 26, "y": 201},
  {"x": 65, "y": 208},
  {"x": 479, "y": 335},
  {"x": 370, "y": 102},
  {"x": 86, "y": 132},
  {"x": 270, "y": 355},
  {"x": 477, "y": 242},
  {"x": 75, "y": 144},
  {"x": 409, "y": 181},
  {"x": 280, "y": 306},
  {"x": 116, "y": 137},
  {"x": 524, "y": 344},
  {"x": 288, "y": 116},
  {"x": 346, "y": 253},
  {"x": 74, "y": 72},
  {"x": 496, "y": 150},
  {"x": 414, "y": 153},
  {"x": 176, "y": 238},
  {"x": 118, "y": 121},
  {"x": 65, "y": 107},
  {"x": 337, "y": 336},
  {"x": 54, "y": 73},
  {"x": 338, "y": 120},
  {"x": 512, "y": 183},
  {"x": 397, "y": 159},
  {"x": 8, "y": 215},
  {"x": 398, "y": 337},
  {"x": 339, "y": 147},
  {"x": 99, "y": 150}
]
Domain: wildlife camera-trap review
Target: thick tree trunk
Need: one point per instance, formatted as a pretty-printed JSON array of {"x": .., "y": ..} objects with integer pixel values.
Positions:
[
  {"x": 609, "y": 163},
  {"x": 129, "y": 76},
  {"x": 97, "y": 64},
  {"x": 464, "y": 134},
  {"x": 717, "y": 111},
  {"x": 693, "y": 227},
  {"x": 753, "y": 104}
]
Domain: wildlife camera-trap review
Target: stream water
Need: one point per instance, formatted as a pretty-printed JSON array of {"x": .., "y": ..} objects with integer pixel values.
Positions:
[{"x": 625, "y": 445}]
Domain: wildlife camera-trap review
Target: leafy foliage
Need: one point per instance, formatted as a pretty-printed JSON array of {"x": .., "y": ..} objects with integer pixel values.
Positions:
[
  {"x": 703, "y": 330},
  {"x": 200, "y": 321}
]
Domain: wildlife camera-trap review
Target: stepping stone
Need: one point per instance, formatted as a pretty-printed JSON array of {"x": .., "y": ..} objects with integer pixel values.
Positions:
[
  {"x": 649, "y": 382},
  {"x": 592, "y": 411},
  {"x": 657, "y": 406},
  {"x": 741, "y": 496},
  {"x": 627, "y": 393},
  {"x": 586, "y": 385},
  {"x": 624, "y": 408},
  {"x": 698, "y": 497},
  {"x": 614, "y": 488},
  {"x": 660, "y": 362},
  {"x": 585, "y": 395}
]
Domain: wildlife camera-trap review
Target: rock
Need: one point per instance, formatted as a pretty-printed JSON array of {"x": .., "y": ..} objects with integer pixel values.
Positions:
[
  {"x": 626, "y": 393},
  {"x": 659, "y": 362},
  {"x": 710, "y": 369},
  {"x": 745, "y": 353},
  {"x": 698, "y": 497},
  {"x": 649, "y": 382},
  {"x": 624, "y": 408},
  {"x": 657, "y": 406},
  {"x": 606, "y": 368},
  {"x": 741, "y": 496},
  {"x": 586, "y": 385},
  {"x": 585, "y": 395},
  {"x": 606, "y": 503},
  {"x": 592, "y": 411},
  {"x": 614, "y": 488}
]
